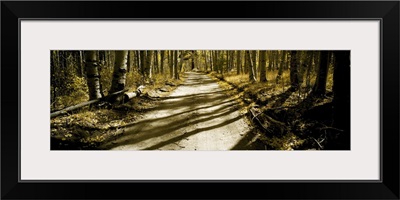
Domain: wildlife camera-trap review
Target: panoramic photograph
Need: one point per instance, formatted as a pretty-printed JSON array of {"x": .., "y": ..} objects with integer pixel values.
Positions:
[{"x": 200, "y": 100}]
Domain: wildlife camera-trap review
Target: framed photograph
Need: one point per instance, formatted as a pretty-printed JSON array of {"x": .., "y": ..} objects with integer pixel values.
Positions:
[{"x": 264, "y": 99}]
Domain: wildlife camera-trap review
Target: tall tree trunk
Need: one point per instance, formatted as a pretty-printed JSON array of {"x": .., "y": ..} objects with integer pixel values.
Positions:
[
  {"x": 149, "y": 65},
  {"x": 294, "y": 76},
  {"x": 246, "y": 63},
  {"x": 252, "y": 78},
  {"x": 137, "y": 54},
  {"x": 205, "y": 60},
  {"x": 211, "y": 61},
  {"x": 53, "y": 83},
  {"x": 300, "y": 69},
  {"x": 281, "y": 67},
  {"x": 192, "y": 59},
  {"x": 272, "y": 61},
  {"x": 254, "y": 63},
  {"x": 232, "y": 60},
  {"x": 279, "y": 76},
  {"x": 92, "y": 73},
  {"x": 283, "y": 57},
  {"x": 317, "y": 61},
  {"x": 142, "y": 55},
  {"x": 129, "y": 63},
  {"x": 156, "y": 64},
  {"x": 287, "y": 65},
  {"x": 162, "y": 56},
  {"x": 119, "y": 75},
  {"x": 176, "y": 73},
  {"x": 64, "y": 62},
  {"x": 263, "y": 66},
  {"x": 81, "y": 63},
  {"x": 309, "y": 68},
  {"x": 171, "y": 63},
  {"x": 221, "y": 61},
  {"x": 276, "y": 60},
  {"x": 215, "y": 61},
  {"x": 341, "y": 97},
  {"x": 228, "y": 61},
  {"x": 238, "y": 61},
  {"x": 179, "y": 66},
  {"x": 320, "y": 82}
]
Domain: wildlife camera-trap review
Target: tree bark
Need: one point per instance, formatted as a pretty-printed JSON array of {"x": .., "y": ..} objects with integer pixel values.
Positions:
[
  {"x": 320, "y": 82},
  {"x": 263, "y": 66},
  {"x": 142, "y": 56},
  {"x": 254, "y": 63},
  {"x": 238, "y": 61},
  {"x": 120, "y": 69},
  {"x": 171, "y": 63},
  {"x": 137, "y": 55},
  {"x": 148, "y": 70},
  {"x": 162, "y": 56},
  {"x": 221, "y": 61},
  {"x": 192, "y": 59},
  {"x": 309, "y": 68},
  {"x": 180, "y": 65},
  {"x": 205, "y": 60},
  {"x": 156, "y": 63},
  {"x": 281, "y": 67},
  {"x": 215, "y": 61},
  {"x": 175, "y": 61},
  {"x": 294, "y": 79},
  {"x": 81, "y": 63},
  {"x": 231, "y": 60},
  {"x": 92, "y": 73},
  {"x": 129, "y": 63},
  {"x": 252, "y": 78}
]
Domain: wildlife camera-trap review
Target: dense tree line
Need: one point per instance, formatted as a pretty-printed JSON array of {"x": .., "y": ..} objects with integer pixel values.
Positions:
[
  {"x": 104, "y": 72},
  {"x": 91, "y": 76},
  {"x": 97, "y": 73}
]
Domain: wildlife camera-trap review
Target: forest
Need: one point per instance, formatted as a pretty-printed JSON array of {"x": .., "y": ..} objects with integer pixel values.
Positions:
[{"x": 200, "y": 100}]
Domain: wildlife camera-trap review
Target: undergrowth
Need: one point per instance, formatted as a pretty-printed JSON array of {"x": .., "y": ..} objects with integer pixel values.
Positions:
[
  {"x": 287, "y": 117},
  {"x": 89, "y": 127}
]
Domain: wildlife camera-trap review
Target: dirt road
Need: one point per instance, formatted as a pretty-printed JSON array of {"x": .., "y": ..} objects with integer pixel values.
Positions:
[{"x": 197, "y": 115}]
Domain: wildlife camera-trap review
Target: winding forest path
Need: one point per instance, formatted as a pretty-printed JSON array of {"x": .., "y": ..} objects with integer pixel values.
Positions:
[{"x": 197, "y": 115}]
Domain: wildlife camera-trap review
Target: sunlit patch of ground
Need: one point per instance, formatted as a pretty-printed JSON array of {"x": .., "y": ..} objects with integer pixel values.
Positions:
[{"x": 89, "y": 127}]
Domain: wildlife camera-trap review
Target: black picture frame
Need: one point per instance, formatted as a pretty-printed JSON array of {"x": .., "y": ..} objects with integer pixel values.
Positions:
[{"x": 386, "y": 11}]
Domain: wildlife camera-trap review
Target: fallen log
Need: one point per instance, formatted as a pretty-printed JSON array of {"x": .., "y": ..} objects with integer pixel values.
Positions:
[
  {"x": 129, "y": 95},
  {"x": 71, "y": 108},
  {"x": 268, "y": 123},
  {"x": 254, "y": 116}
]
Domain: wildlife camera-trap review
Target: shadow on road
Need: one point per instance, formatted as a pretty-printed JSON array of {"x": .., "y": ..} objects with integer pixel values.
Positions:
[{"x": 198, "y": 106}]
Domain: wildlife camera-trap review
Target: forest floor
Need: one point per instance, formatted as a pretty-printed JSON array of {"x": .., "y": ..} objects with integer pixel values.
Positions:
[
  {"x": 196, "y": 115},
  {"x": 283, "y": 119},
  {"x": 89, "y": 127},
  {"x": 204, "y": 112}
]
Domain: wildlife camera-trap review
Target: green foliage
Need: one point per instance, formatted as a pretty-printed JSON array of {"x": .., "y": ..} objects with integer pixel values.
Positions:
[
  {"x": 133, "y": 79},
  {"x": 68, "y": 87},
  {"x": 74, "y": 91},
  {"x": 106, "y": 76}
]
